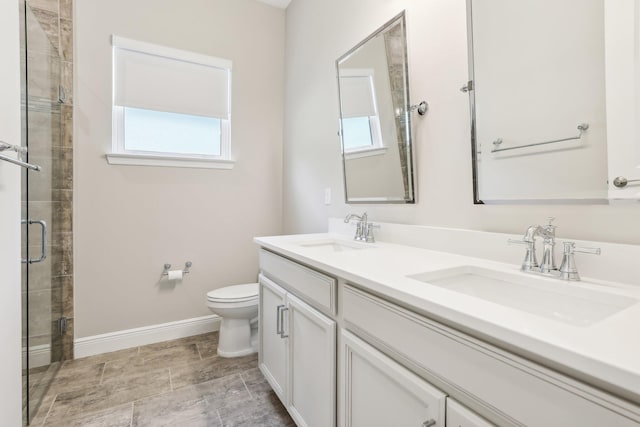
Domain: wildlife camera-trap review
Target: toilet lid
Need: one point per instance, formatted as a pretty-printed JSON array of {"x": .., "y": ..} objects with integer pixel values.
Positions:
[{"x": 234, "y": 293}]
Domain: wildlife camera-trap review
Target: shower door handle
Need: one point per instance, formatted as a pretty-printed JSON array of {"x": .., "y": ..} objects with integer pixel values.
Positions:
[{"x": 43, "y": 226}]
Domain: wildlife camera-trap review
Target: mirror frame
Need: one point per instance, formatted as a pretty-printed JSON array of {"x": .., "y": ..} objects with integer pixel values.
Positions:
[
  {"x": 472, "y": 104},
  {"x": 411, "y": 182}
]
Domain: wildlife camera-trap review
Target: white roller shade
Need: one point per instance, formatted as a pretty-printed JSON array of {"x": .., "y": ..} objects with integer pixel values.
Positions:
[
  {"x": 356, "y": 96},
  {"x": 163, "y": 79}
]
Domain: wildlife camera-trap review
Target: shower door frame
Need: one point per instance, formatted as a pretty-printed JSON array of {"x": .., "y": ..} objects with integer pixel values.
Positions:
[{"x": 41, "y": 107}]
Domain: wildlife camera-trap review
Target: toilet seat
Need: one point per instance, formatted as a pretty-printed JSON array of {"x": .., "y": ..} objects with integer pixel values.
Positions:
[
  {"x": 237, "y": 308},
  {"x": 235, "y": 293}
]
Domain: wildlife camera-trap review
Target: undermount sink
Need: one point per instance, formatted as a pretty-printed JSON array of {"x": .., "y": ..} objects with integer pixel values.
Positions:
[
  {"x": 333, "y": 245},
  {"x": 553, "y": 299}
]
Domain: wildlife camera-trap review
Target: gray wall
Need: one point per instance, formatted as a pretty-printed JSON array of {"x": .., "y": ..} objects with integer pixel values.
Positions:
[
  {"x": 320, "y": 32},
  {"x": 130, "y": 220}
]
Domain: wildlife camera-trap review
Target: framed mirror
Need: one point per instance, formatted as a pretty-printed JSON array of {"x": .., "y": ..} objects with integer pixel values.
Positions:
[
  {"x": 539, "y": 98},
  {"x": 375, "y": 120}
]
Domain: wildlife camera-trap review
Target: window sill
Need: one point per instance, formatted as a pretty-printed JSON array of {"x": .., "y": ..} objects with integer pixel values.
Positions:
[
  {"x": 167, "y": 161},
  {"x": 366, "y": 152}
]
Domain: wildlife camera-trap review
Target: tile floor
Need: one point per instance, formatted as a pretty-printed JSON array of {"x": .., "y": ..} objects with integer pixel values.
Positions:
[{"x": 175, "y": 383}]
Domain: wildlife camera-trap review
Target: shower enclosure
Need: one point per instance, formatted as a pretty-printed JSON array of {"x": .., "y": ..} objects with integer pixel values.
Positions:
[{"x": 46, "y": 201}]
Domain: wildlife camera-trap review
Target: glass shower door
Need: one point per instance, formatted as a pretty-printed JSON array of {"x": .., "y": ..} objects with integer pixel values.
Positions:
[{"x": 41, "y": 290}]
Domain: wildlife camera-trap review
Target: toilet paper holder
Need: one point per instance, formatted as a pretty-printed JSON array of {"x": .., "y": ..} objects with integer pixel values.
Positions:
[{"x": 167, "y": 267}]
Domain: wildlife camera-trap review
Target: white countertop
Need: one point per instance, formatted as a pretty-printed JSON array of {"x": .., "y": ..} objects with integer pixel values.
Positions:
[{"x": 606, "y": 353}]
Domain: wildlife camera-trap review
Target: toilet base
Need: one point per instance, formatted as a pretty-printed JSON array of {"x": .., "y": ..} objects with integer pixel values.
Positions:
[{"x": 237, "y": 338}]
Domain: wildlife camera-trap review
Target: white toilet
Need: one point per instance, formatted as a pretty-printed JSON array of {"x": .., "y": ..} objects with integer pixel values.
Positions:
[{"x": 237, "y": 305}]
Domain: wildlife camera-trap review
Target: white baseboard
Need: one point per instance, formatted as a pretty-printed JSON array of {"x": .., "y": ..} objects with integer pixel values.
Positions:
[
  {"x": 119, "y": 340},
  {"x": 39, "y": 355}
]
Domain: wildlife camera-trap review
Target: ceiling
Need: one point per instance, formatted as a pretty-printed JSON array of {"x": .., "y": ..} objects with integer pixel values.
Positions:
[{"x": 282, "y": 4}]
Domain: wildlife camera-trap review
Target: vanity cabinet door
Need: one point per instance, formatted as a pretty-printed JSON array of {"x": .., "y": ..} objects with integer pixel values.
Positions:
[
  {"x": 460, "y": 416},
  {"x": 312, "y": 370},
  {"x": 273, "y": 341},
  {"x": 377, "y": 391}
]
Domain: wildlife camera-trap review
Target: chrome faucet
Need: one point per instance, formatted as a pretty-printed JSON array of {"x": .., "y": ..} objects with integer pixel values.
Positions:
[
  {"x": 364, "y": 229},
  {"x": 530, "y": 262},
  {"x": 547, "y": 267},
  {"x": 548, "y": 234}
]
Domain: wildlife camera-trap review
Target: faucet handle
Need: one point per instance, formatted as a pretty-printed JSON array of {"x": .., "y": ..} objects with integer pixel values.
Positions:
[
  {"x": 370, "y": 238},
  {"x": 550, "y": 228},
  {"x": 593, "y": 251},
  {"x": 568, "y": 269},
  {"x": 517, "y": 242},
  {"x": 530, "y": 261},
  {"x": 359, "y": 231},
  {"x": 570, "y": 248}
]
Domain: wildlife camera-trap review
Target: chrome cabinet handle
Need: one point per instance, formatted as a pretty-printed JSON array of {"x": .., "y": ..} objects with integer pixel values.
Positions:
[
  {"x": 282, "y": 310},
  {"x": 429, "y": 423},
  {"x": 621, "y": 181},
  {"x": 279, "y": 320},
  {"x": 43, "y": 226}
]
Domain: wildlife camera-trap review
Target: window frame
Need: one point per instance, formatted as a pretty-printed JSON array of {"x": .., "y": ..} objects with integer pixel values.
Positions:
[
  {"x": 120, "y": 155},
  {"x": 377, "y": 146}
]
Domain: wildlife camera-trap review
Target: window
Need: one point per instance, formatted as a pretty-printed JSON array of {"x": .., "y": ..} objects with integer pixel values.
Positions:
[
  {"x": 170, "y": 107},
  {"x": 357, "y": 133},
  {"x": 360, "y": 127}
]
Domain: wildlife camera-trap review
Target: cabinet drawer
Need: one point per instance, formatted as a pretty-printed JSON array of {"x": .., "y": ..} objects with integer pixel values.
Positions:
[
  {"x": 514, "y": 389},
  {"x": 316, "y": 288},
  {"x": 459, "y": 416}
]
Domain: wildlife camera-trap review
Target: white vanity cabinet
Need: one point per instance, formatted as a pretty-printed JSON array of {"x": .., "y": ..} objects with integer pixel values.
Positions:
[
  {"x": 298, "y": 342},
  {"x": 400, "y": 367},
  {"x": 375, "y": 391},
  {"x": 510, "y": 389}
]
